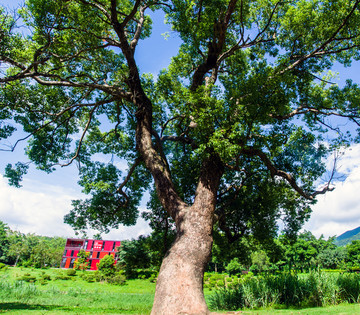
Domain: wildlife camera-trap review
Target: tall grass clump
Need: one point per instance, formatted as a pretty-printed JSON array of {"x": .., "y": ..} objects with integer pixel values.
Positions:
[
  {"x": 18, "y": 290},
  {"x": 349, "y": 286},
  {"x": 313, "y": 289}
]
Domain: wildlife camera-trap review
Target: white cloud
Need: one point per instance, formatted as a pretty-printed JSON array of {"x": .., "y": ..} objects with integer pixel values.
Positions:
[
  {"x": 40, "y": 208},
  {"x": 339, "y": 210}
]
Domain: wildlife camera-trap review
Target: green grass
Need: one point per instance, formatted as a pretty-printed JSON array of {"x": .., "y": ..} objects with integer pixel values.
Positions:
[
  {"x": 341, "y": 309},
  {"x": 76, "y": 296}
]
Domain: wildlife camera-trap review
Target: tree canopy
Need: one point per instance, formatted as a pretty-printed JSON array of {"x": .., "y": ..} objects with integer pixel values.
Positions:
[{"x": 234, "y": 131}]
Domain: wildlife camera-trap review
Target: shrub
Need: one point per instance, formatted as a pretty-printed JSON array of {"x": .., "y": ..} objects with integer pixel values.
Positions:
[
  {"x": 27, "y": 278},
  {"x": 45, "y": 277},
  {"x": 62, "y": 277},
  {"x": 71, "y": 272},
  {"x": 118, "y": 279},
  {"x": 234, "y": 267},
  {"x": 106, "y": 265}
]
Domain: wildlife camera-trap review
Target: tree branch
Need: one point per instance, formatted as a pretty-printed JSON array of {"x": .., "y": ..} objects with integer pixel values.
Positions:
[
  {"x": 127, "y": 178},
  {"x": 288, "y": 177}
]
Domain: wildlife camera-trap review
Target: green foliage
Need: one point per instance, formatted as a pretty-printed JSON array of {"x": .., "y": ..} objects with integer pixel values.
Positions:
[
  {"x": 4, "y": 241},
  {"x": 246, "y": 86},
  {"x": 314, "y": 289},
  {"x": 16, "y": 174},
  {"x": 353, "y": 253},
  {"x": 234, "y": 267},
  {"x": 133, "y": 255},
  {"x": 106, "y": 266},
  {"x": 71, "y": 272},
  {"x": 82, "y": 262}
]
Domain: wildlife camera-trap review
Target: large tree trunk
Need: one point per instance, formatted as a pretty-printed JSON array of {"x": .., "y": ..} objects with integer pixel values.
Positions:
[{"x": 179, "y": 288}]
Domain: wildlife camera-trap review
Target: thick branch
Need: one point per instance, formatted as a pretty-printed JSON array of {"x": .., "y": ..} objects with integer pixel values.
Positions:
[{"x": 154, "y": 160}]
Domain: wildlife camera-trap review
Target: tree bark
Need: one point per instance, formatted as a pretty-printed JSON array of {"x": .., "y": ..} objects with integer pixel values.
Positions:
[{"x": 179, "y": 288}]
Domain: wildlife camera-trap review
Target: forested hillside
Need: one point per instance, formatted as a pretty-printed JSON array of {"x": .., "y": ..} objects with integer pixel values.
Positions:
[{"x": 348, "y": 237}]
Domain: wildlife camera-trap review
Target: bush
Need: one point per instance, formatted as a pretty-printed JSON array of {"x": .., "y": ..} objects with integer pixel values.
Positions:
[
  {"x": 2, "y": 265},
  {"x": 234, "y": 267},
  {"x": 62, "y": 277},
  {"x": 107, "y": 266},
  {"x": 27, "y": 278},
  {"x": 118, "y": 279},
  {"x": 45, "y": 277},
  {"x": 71, "y": 272}
]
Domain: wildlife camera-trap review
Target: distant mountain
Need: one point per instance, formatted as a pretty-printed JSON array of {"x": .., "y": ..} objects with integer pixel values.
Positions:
[{"x": 348, "y": 237}]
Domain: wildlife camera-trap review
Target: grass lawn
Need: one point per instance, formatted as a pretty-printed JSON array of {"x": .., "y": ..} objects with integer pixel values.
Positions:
[
  {"x": 76, "y": 296},
  {"x": 341, "y": 309}
]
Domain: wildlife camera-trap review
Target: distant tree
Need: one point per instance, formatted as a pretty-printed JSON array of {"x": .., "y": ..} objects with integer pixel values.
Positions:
[
  {"x": 234, "y": 267},
  {"x": 4, "y": 242},
  {"x": 133, "y": 255},
  {"x": 332, "y": 258},
  {"x": 235, "y": 131},
  {"x": 353, "y": 254},
  {"x": 261, "y": 260}
]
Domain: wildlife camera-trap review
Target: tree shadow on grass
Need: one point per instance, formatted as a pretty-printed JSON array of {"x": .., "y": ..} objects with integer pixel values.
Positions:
[{"x": 23, "y": 306}]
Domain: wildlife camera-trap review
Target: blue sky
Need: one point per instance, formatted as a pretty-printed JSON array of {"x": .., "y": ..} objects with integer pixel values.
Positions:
[{"x": 39, "y": 206}]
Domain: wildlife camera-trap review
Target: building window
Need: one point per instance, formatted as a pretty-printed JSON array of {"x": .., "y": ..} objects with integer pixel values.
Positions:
[
  {"x": 98, "y": 255},
  {"x": 72, "y": 253},
  {"x": 113, "y": 249}
]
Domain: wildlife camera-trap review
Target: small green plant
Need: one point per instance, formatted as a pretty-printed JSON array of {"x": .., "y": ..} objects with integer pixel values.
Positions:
[
  {"x": 71, "y": 272},
  {"x": 27, "y": 277},
  {"x": 82, "y": 263}
]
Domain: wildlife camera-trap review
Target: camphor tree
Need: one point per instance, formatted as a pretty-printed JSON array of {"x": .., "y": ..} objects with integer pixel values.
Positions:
[{"x": 234, "y": 132}]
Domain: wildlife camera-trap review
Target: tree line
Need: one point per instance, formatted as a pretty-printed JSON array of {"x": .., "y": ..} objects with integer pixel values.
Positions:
[
  {"x": 140, "y": 258},
  {"x": 29, "y": 250}
]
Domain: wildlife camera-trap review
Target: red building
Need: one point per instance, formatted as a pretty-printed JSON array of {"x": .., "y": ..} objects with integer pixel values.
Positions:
[{"x": 97, "y": 249}]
